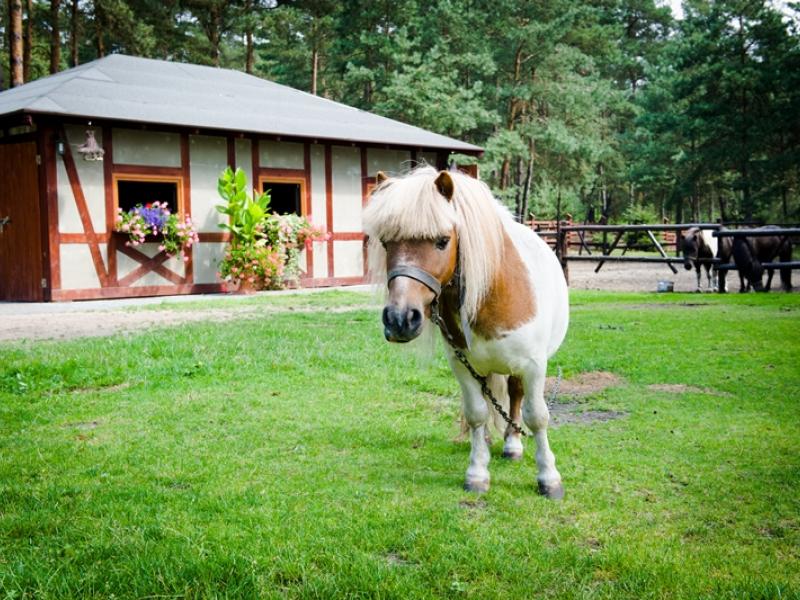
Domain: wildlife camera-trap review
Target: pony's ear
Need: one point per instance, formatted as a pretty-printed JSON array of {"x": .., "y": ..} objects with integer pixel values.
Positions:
[
  {"x": 444, "y": 183},
  {"x": 380, "y": 177}
]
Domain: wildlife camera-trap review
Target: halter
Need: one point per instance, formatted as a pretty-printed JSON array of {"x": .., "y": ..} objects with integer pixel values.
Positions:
[{"x": 435, "y": 286}]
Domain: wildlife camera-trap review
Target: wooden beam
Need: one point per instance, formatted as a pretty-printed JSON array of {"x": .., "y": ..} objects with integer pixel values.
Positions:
[
  {"x": 329, "y": 205},
  {"x": 83, "y": 211}
]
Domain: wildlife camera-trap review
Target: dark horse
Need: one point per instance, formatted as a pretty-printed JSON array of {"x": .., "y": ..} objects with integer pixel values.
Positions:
[
  {"x": 750, "y": 252},
  {"x": 699, "y": 248}
]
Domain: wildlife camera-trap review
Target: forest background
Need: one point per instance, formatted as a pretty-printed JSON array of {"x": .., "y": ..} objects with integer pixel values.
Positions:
[{"x": 597, "y": 108}]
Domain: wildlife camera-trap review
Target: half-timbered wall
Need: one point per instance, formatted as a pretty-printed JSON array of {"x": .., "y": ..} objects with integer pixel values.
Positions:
[{"x": 94, "y": 262}]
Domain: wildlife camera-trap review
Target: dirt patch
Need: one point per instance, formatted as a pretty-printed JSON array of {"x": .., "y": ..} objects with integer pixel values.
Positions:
[
  {"x": 583, "y": 384},
  {"x": 631, "y": 277},
  {"x": 680, "y": 388},
  {"x": 103, "y": 388},
  {"x": 572, "y": 412},
  {"x": 568, "y": 408},
  {"x": 84, "y": 426},
  {"x": 473, "y": 505},
  {"x": 78, "y": 324},
  {"x": 395, "y": 560}
]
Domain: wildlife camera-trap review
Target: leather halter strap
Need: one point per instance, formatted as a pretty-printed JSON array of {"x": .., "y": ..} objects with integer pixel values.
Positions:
[
  {"x": 418, "y": 274},
  {"x": 433, "y": 285}
]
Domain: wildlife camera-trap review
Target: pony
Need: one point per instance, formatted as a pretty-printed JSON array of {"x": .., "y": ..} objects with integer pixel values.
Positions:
[
  {"x": 749, "y": 252},
  {"x": 699, "y": 247},
  {"x": 450, "y": 255}
]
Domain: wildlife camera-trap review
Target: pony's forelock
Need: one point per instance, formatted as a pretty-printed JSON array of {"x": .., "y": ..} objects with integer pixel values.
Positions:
[{"x": 410, "y": 207}]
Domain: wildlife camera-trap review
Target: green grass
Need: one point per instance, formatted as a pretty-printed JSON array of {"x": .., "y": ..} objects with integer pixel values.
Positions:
[{"x": 299, "y": 455}]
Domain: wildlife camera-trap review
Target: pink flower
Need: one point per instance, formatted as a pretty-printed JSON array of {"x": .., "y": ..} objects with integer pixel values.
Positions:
[
  {"x": 161, "y": 248},
  {"x": 185, "y": 259}
]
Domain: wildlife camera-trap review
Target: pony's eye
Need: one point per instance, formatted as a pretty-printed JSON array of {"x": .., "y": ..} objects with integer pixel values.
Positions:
[{"x": 442, "y": 242}]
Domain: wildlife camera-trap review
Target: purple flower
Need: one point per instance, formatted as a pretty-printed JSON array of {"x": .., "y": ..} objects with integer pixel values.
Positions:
[{"x": 153, "y": 216}]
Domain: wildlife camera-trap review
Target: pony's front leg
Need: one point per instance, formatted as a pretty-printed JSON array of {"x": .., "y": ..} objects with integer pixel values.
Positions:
[
  {"x": 697, "y": 272},
  {"x": 711, "y": 274},
  {"x": 476, "y": 414},
  {"x": 537, "y": 417}
]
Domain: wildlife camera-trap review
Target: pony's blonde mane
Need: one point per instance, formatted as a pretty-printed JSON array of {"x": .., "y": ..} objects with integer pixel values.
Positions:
[{"x": 410, "y": 207}]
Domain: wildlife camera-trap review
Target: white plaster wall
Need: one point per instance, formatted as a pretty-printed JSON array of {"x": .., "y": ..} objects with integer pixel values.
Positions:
[
  {"x": 318, "y": 199},
  {"x": 391, "y": 162},
  {"x": 346, "y": 167},
  {"x": 77, "y": 267},
  {"x": 69, "y": 221},
  {"x": 281, "y": 155},
  {"x": 154, "y": 148},
  {"x": 208, "y": 157},
  {"x": 318, "y": 207},
  {"x": 348, "y": 259},
  {"x": 428, "y": 158},
  {"x": 320, "y": 259},
  {"x": 90, "y": 174},
  {"x": 206, "y": 261},
  {"x": 244, "y": 161},
  {"x": 152, "y": 278}
]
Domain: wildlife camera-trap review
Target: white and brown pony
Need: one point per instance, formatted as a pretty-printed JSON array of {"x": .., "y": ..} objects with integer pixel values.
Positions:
[
  {"x": 444, "y": 246},
  {"x": 700, "y": 248}
]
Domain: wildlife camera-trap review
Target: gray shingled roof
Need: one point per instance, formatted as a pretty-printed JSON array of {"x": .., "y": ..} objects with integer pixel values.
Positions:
[{"x": 153, "y": 91}]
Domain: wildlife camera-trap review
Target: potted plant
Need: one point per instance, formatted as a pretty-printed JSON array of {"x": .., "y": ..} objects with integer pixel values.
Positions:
[
  {"x": 154, "y": 222},
  {"x": 264, "y": 248}
]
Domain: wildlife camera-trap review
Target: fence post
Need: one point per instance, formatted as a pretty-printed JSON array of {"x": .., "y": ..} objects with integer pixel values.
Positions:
[{"x": 562, "y": 247}]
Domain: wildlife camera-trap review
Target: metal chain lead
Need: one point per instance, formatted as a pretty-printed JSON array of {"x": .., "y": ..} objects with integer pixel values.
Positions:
[{"x": 462, "y": 358}]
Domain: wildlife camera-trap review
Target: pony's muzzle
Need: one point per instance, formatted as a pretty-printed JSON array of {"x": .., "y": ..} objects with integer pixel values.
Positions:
[
  {"x": 687, "y": 265},
  {"x": 401, "y": 324}
]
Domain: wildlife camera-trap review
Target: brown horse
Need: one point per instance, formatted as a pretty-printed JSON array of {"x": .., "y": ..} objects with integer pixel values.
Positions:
[{"x": 751, "y": 251}]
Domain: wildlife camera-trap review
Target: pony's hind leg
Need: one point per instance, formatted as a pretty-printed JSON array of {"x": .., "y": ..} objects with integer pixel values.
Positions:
[
  {"x": 537, "y": 417},
  {"x": 513, "y": 445},
  {"x": 476, "y": 414}
]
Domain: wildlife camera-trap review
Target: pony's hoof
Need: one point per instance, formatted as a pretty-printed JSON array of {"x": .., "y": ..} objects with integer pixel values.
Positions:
[
  {"x": 551, "y": 491},
  {"x": 477, "y": 486},
  {"x": 512, "y": 454}
]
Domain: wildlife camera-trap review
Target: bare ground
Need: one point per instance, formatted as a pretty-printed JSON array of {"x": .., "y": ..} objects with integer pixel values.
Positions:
[
  {"x": 110, "y": 321},
  {"x": 634, "y": 277},
  {"x": 60, "y": 321}
]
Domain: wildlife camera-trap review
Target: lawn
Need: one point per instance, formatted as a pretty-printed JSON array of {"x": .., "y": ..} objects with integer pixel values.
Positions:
[{"x": 300, "y": 455}]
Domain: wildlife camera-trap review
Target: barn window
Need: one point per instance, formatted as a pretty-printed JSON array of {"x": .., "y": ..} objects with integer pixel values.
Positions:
[
  {"x": 130, "y": 190},
  {"x": 287, "y": 195}
]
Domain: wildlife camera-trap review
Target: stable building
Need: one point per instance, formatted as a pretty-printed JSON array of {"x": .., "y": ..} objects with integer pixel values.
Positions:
[{"x": 78, "y": 145}]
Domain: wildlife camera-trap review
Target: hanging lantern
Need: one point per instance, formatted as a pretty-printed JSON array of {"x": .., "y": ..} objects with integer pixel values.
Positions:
[{"x": 90, "y": 149}]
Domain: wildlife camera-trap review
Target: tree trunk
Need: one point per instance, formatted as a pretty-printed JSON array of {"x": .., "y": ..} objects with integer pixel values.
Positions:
[
  {"x": 55, "y": 37},
  {"x": 527, "y": 189},
  {"x": 27, "y": 41},
  {"x": 15, "y": 42},
  {"x": 74, "y": 33},
  {"x": 250, "y": 61},
  {"x": 99, "y": 28},
  {"x": 314, "y": 69}
]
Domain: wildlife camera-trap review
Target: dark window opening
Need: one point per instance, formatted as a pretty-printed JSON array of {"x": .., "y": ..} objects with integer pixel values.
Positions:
[
  {"x": 131, "y": 193},
  {"x": 284, "y": 197}
]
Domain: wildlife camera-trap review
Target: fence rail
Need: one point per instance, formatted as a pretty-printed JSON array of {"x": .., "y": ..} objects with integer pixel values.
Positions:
[{"x": 563, "y": 237}]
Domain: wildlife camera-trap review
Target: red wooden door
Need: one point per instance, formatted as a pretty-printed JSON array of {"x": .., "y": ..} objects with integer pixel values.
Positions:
[{"x": 20, "y": 236}]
